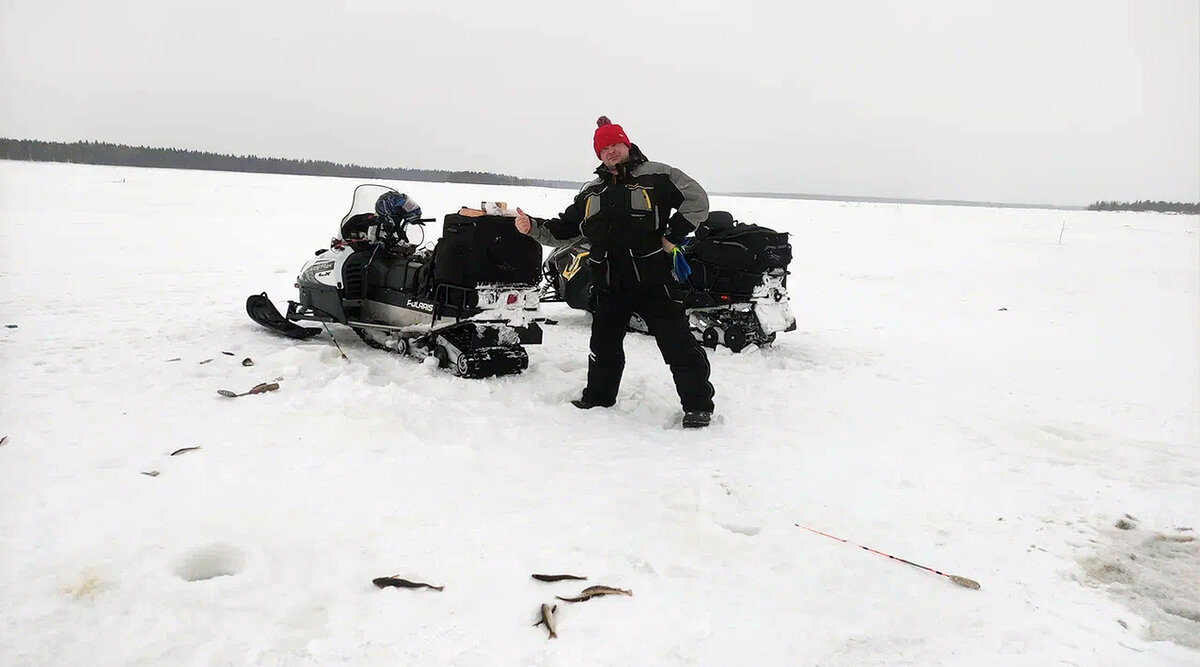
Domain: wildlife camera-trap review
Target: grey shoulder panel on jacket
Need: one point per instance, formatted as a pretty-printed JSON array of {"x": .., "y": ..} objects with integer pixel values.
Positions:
[
  {"x": 695, "y": 200},
  {"x": 652, "y": 167}
]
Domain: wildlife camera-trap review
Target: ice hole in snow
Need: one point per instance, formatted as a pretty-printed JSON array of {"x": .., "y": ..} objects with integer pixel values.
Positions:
[
  {"x": 1155, "y": 575},
  {"x": 209, "y": 561}
]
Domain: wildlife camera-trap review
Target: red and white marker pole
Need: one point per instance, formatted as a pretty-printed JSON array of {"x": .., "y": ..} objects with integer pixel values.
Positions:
[{"x": 961, "y": 581}]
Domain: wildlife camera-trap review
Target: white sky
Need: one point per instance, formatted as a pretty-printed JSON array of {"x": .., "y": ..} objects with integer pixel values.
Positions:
[{"x": 1050, "y": 102}]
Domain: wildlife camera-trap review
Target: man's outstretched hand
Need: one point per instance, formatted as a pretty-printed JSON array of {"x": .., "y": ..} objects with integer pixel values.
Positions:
[{"x": 523, "y": 223}]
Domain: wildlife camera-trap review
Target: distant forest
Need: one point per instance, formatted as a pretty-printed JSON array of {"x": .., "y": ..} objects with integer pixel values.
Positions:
[
  {"x": 94, "y": 152},
  {"x": 1146, "y": 205}
]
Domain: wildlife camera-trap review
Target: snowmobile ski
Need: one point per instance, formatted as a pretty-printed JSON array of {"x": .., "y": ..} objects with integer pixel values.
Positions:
[{"x": 261, "y": 310}]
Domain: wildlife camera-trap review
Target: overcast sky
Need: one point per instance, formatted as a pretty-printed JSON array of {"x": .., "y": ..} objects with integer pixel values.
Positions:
[{"x": 1050, "y": 101}]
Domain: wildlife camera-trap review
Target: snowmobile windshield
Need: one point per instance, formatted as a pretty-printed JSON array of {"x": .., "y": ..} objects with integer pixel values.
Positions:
[{"x": 365, "y": 197}]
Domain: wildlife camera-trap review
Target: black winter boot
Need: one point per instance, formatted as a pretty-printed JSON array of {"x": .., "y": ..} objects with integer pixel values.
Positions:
[
  {"x": 587, "y": 404},
  {"x": 696, "y": 419}
]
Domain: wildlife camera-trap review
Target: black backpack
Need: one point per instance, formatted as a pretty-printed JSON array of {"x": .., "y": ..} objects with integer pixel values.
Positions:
[
  {"x": 728, "y": 257},
  {"x": 740, "y": 247},
  {"x": 485, "y": 249}
]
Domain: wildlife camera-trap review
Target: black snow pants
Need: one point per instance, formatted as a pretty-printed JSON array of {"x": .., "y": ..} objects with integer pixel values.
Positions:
[{"x": 669, "y": 326}]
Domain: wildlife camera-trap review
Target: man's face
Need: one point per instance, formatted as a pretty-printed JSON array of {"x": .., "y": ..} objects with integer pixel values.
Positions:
[{"x": 614, "y": 155}]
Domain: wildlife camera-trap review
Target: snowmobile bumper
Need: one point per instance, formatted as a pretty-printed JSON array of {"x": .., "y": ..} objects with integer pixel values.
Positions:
[
  {"x": 299, "y": 311},
  {"x": 319, "y": 303}
]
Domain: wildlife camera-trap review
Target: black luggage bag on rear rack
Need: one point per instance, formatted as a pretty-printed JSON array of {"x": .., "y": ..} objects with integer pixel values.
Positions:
[
  {"x": 728, "y": 257},
  {"x": 482, "y": 250}
]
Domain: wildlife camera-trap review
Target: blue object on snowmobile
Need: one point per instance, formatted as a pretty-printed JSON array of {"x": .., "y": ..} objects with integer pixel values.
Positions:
[
  {"x": 397, "y": 207},
  {"x": 682, "y": 270}
]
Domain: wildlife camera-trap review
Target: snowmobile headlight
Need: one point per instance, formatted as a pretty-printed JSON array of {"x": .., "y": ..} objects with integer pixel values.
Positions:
[{"x": 311, "y": 272}]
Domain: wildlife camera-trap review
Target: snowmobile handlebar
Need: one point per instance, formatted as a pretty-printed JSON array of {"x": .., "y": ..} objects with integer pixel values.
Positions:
[
  {"x": 402, "y": 223},
  {"x": 398, "y": 230}
]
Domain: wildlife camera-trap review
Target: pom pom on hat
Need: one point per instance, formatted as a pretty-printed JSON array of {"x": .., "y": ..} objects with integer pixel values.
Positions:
[{"x": 607, "y": 134}]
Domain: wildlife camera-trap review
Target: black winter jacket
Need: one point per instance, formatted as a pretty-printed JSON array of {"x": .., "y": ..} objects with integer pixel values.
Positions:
[{"x": 625, "y": 216}]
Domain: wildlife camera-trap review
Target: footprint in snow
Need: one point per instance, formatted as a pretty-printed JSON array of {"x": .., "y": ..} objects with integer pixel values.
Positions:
[
  {"x": 210, "y": 561},
  {"x": 748, "y": 531}
]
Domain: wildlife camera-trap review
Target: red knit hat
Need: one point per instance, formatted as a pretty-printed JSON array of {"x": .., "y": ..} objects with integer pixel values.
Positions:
[{"x": 607, "y": 134}]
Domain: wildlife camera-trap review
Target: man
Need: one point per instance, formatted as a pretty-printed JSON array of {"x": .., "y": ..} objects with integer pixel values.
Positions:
[{"x": 625, "y": 213}]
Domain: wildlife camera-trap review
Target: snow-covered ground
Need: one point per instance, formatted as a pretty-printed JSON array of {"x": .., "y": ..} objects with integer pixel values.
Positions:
[{"x": 964, "y": 391}]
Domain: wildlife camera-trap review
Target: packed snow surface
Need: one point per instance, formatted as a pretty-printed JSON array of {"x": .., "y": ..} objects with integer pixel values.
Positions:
[{"x": 964, "y": 391}]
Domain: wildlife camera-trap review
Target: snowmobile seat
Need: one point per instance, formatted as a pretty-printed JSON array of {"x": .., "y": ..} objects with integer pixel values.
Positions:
[{"x": 405, "y": 276}]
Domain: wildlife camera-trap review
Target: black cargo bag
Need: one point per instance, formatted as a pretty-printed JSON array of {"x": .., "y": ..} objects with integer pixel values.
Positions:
[
  {"x": 744, "y": 248},
  {"x": 730, "y": 257},
  {"x": 710, "y": 278},
  {"x": 485, "y": 249}
]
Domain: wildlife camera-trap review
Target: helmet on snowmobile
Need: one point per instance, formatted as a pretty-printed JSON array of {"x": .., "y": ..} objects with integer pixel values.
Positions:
[{"x": 397, "y": 207}]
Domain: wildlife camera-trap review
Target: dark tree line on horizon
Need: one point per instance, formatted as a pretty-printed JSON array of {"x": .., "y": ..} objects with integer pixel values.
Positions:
[
  {"x": 103, "y": 153},
  {"x": 1146, "y": 205},
  {"x": 96, "y": 152}
]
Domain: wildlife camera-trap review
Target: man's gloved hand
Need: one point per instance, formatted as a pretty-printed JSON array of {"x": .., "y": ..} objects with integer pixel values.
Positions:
[{"x": 681, "y": 268}]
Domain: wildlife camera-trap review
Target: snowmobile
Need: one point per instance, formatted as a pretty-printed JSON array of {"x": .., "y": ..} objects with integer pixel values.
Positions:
[
  {"x": 736, "y": 294},
  {"x": 471, "y": 301}
]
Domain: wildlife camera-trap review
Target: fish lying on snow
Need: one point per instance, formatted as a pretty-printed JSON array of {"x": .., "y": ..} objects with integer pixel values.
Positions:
[
  {"x": 595, "y": 592},
  {"x": 557, "y": 577},
  {"x": 547, "y": 616},
  {"x": 397, "y": 582}
]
